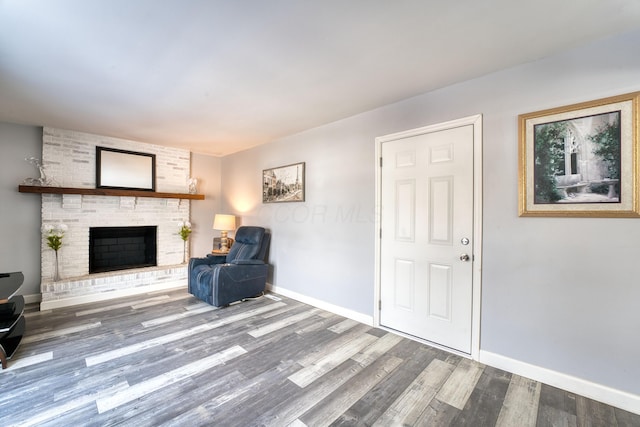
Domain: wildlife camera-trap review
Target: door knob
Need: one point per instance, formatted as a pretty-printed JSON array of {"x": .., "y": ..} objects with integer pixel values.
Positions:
[{"x": 464, "y": 257}]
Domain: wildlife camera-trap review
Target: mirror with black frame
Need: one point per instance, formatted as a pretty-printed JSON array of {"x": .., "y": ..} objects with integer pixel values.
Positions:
[{"x": 121, "y": 169}]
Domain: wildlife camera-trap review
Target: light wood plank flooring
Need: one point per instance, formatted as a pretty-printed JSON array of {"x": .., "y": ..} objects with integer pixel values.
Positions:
[{"x": 166, "y": 359}]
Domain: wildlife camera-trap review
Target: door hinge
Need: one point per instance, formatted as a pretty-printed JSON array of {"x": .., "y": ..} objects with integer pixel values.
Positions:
[
  {"x": 380, "y": 161},
  {"x": 381, "y": 233},
  {"x": 379, "y": 304}
]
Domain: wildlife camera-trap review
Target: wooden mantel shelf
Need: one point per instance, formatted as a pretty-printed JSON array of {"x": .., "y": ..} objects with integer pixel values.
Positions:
[{"x": 106, "y": 192}]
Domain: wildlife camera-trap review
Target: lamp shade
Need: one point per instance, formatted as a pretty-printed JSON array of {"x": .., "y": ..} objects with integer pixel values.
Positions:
[{"x": 224, "y": 222}]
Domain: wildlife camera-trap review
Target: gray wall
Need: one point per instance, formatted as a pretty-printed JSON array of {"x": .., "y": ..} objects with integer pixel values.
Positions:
[
  {"x": 322, "y": 248},
  {"x": 207, "y": 170},
  {"x": 20, "y": 213},
  {"x": 559, "y": 293}
]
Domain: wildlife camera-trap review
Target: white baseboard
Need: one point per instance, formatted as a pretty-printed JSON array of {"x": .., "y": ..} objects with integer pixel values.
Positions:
[
  {"x": 341, "y": 311},
  {"x": 103, "y": 296},
  {"x": 32, "y": 298},
  {"x": 621, "y": 399}
]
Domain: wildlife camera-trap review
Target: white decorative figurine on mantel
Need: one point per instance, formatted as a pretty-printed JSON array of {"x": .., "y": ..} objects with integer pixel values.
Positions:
[
  {"x": 43, "y": 180},
  {"x": 193, "y": 184}
]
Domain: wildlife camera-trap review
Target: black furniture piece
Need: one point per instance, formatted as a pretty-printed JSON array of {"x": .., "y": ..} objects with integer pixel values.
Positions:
[
  {"x": 220, "y": 280},
  {"x": 12, "y": 323}
]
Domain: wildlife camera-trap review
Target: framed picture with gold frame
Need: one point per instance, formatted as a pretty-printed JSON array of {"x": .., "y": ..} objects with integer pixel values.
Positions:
[{"x": 580, "y": 160}]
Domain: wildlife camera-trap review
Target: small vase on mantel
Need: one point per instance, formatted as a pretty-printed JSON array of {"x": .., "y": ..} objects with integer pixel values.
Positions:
[{"x": 192, "y": 183}]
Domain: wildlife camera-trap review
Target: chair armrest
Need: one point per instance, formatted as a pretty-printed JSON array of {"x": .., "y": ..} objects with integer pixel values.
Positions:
[
  {"x": 247, "y": 262},
  {"x": 209, "y": 260},
  {"x": 198, "y": 266}
]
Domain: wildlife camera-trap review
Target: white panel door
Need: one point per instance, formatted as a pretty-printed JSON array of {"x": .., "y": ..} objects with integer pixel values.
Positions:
[{"x": 426, "y": 286}]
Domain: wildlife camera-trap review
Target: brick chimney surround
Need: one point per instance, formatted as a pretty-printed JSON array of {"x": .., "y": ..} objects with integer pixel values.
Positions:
[{"x": 69, "y": 158}]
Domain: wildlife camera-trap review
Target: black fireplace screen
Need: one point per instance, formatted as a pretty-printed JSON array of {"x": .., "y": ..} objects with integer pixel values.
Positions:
[{"x": 121, "y": 248}]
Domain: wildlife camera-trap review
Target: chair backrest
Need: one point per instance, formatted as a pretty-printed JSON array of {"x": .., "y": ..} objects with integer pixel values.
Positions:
[
  {"x": 264, "y": 247},
  {"x": 250, "y": 243}
]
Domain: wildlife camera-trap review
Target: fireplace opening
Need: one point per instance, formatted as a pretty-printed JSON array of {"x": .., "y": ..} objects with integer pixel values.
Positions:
[{"x": 121, "y": 248}]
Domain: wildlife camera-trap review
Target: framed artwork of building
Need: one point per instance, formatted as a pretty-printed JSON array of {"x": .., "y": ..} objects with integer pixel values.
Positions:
[{"x": 283, "y": 184}]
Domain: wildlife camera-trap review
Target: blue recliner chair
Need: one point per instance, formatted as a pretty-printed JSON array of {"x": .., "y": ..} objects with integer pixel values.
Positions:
[{"x": 220, "y": 280}]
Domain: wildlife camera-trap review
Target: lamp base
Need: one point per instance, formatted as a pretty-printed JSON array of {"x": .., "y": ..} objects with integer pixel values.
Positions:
[{"x": 224, "y": 242}]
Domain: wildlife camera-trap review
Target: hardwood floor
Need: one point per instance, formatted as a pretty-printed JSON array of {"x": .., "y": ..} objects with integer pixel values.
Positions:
[{"x": 168, "y": 359}]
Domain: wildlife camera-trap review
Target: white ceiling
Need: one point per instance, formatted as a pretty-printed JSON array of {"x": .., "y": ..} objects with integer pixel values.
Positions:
[{"x": 220, "y": 76}]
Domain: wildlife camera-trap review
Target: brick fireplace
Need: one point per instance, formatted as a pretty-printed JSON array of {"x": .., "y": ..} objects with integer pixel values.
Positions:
[
  {"x": 121, "y": 248},
  {"x": 69, "y": 159}
]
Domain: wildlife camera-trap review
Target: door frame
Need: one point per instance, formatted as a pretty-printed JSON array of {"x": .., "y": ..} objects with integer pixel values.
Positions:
[{"x": 476, "y": 121}]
